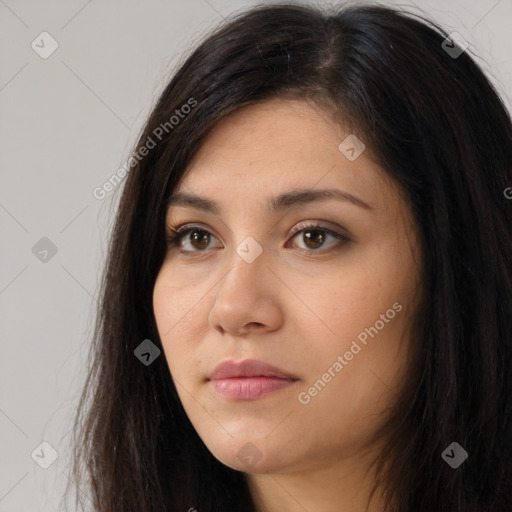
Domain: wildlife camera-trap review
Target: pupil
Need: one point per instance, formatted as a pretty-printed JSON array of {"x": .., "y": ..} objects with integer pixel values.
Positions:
[
  {"x": 310, "y": 238},
  {"x": 197, "y": 238}
]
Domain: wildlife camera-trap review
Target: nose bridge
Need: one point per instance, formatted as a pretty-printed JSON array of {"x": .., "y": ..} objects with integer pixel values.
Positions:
[
  {"x": 244, "y": 281},
  {"x": 242, "y": 295},
  {"x": 248, "y": 262},
  {"x": 250, "y": 297}
]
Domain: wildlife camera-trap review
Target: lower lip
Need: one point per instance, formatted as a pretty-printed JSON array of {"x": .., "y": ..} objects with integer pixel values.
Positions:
[{"x": 249, "y": 388}]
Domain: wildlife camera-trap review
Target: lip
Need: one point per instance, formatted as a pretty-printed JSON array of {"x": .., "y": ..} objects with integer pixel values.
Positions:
[
  {"x": 248, "y": 368},
  {"x": 249, "y": 379}
]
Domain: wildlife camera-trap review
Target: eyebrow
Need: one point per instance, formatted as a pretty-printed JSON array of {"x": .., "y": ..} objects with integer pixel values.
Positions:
[{"x": 292, "y": 199}]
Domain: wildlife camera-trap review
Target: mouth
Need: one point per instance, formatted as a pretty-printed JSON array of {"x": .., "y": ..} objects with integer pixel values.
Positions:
[
  {"x": 249, "y": 388},
  {"x": 249, "y": 379}
]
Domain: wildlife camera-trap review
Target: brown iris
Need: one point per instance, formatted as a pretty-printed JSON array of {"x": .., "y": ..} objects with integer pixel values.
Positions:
[
  {"x": 200, "y": 236},
  {"x": 317, "y": 241}
]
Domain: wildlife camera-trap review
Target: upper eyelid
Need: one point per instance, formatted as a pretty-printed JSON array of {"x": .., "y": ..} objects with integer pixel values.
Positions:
[{"x": 180, "y": 231}]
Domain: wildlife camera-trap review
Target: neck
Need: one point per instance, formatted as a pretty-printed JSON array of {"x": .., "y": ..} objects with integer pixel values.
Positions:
[{"x": 339, "y": 486}]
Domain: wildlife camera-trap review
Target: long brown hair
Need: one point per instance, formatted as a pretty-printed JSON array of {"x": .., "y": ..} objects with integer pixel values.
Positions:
[{"x": 440, "y": 130}]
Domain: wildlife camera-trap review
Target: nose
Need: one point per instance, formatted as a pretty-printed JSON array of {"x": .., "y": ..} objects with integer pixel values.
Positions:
[{"x": 247, "y": 298}]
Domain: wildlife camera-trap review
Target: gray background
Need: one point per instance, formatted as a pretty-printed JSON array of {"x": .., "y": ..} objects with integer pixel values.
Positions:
[{"x": 67, "y": 124}]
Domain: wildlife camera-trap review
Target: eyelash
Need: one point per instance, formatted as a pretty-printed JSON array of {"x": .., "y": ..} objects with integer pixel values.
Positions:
[{"x": 178, "y": 232}]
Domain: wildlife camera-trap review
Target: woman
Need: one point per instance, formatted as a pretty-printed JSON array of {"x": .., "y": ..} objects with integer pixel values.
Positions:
[{"x": 307, "y": 300}]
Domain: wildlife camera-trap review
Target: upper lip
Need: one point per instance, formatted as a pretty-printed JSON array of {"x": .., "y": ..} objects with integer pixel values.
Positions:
[{"x": 248, "y": 368}]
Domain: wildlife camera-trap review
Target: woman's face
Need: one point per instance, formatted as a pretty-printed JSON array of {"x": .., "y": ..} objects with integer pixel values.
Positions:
[{"x": 255, "y": 282}]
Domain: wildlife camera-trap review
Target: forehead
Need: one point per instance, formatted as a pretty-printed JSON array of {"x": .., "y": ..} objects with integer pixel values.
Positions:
[
  {"x": 279, "y": 143},
  {"x": 277, "y": 128}
]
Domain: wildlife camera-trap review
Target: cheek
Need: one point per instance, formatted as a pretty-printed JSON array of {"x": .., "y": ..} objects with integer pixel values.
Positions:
[
  {"x": 178, "y": 312},
  {"x": 351, "y": 297},
  {"x": 175, "y": 300},
  {"x": 360, "y": 311}
]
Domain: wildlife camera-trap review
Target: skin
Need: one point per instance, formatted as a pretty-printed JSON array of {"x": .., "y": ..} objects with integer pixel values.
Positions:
[{"x": 299, "y": 305}]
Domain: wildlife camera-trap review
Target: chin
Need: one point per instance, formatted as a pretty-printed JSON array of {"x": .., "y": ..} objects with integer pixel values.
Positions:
[
  {"x": 243, "y": 454},
  {"x": 251, "y": 455}
]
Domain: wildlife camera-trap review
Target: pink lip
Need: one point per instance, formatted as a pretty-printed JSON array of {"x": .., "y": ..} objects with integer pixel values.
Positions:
[
  {"x": 248, "y": 368},
  {"x": 249, "y": 379},
  {"x": 249, "y": 388}
]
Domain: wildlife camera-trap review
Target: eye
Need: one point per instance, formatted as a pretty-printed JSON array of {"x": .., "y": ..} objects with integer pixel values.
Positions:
[
  {"x": 199, "y": 239},
  {"x": 314, "y": 236}
]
